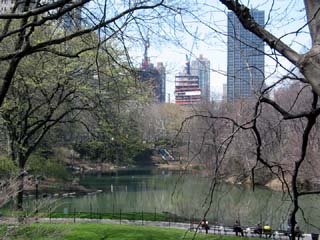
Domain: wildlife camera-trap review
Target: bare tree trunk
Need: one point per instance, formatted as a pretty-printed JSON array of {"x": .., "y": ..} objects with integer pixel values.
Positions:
[
  {"x": 19, "y": 204},
  {"x": 22, "y": 163}
]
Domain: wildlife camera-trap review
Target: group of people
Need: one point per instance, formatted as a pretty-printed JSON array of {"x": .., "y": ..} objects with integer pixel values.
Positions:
[
  {"x": 259, "y": 230},
  {"x": 266, "y": 230}
]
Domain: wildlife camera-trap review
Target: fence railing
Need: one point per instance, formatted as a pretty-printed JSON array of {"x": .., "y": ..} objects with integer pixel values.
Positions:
[{"x": 119, "y": 215}]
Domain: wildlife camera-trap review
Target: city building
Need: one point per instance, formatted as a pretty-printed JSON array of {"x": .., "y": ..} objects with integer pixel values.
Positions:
[
  {"x": 201, "y": 68},
  {"x": 162, "y": 88},
  {"x": 245, "y": 67},
  {"x": 153, "y": 77},
  {"x": 187, "y": 90},
  {"x": 70, "y": 21},
  {"x": 6, "y": 6},
  {"x": 224, "y": 92}
]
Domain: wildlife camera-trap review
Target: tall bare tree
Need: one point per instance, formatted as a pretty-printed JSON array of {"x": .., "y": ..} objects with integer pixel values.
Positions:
[
  {"x": 308, "y": 65},
  {"x": 270, "y": 126}
]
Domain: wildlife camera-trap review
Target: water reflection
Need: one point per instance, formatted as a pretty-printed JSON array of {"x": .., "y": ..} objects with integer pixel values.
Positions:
[{"x": 188, "y": 195}]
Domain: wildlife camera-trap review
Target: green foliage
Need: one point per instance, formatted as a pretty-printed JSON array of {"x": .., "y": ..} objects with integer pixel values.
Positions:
[
  {"x": 46, "y": 167},
  {"x": 91, "y": 150},
  {"x": 6, "y": 166},
  {"x": 120, "y": 142},
  {"x": 108, "y": 231},
  {"x": 162, "y": 142},
  {"x": 45, "y": 100},
  {"x": 29, "y": 233},
  {"x": 197, "y": 167},
  {"x": 144, "y": 157}
]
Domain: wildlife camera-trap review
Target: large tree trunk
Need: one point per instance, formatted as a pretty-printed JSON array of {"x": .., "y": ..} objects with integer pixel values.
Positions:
[
  {"x": 309, "y": 66},
  {"x": 19, "y": 203},
  {"x": 22, "y": 162}
]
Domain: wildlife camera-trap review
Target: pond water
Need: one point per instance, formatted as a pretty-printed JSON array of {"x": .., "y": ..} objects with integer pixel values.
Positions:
[{"x": 188, "y": 195}]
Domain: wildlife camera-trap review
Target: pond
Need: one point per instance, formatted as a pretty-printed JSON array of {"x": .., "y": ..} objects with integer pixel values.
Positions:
[{"x": 188, "y": 195}]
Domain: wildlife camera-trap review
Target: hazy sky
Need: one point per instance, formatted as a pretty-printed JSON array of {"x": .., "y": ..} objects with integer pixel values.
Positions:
[{"x": 285, "y": 18}]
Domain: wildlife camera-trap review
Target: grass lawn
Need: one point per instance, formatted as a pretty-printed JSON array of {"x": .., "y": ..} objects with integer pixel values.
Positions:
[
  {"x": 146, "y": 216},
  {"x": 88, "y": 231}
]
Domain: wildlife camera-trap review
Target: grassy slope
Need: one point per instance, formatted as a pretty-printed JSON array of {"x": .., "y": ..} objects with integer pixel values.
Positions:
[
  {"x": 104, "y": 231},
  {"x": 125, "y": 215}
]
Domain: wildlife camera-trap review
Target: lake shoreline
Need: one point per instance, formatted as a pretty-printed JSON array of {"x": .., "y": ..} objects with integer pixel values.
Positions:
[{"x": 80, "y": 167}]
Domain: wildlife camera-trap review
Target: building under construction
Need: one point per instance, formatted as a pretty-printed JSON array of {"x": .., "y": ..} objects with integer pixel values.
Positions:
[
  {"x": 187, "y": 89},
  {"x": 154, "y": 78}
]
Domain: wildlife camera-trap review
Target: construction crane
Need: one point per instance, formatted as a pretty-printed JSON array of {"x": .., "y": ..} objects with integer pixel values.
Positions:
[
  {"x": 188, "y": 57},
  {"x": 146, "y": 42}
]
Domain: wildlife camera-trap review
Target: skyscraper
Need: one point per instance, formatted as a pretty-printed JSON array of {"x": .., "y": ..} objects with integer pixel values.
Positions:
[
  {"x": 162, "y": 88},
  {"x": 201, "y": 68},
  {"x": 245, "y": 58},
  {"x": 153, "y": 77},
  {"x": 72, "y": 20}
]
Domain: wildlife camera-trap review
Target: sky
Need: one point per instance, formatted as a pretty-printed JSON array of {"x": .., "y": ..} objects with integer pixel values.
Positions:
[{"x": 210, "y": 28}]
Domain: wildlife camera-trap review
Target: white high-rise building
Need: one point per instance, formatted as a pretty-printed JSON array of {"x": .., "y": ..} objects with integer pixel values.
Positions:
[
  {"x": 70, "y": 21},
  {"x": 6, "y": 6},
  {"x": 201, "y": 68}
]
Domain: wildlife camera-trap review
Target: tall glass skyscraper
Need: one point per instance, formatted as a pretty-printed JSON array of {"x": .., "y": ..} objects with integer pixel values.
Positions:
[{"x": 245, "y": 58}]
